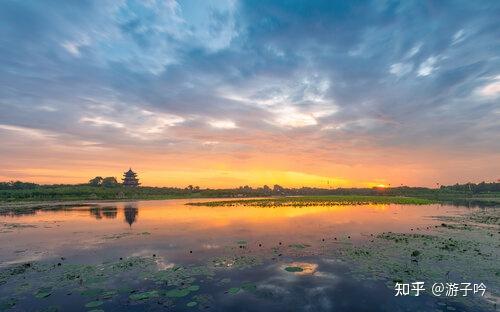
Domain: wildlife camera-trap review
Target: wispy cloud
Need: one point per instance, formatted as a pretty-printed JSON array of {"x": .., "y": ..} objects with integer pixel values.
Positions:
[
  {"x": 428, "y": 66},
  {"x": 491, "y": 89},
  {"x": 101, "y": 121},
  {"x": 223, "y": 124}
]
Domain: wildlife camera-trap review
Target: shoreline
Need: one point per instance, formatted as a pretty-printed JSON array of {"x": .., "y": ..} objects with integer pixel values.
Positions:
[{"x": 83, "y": 202}]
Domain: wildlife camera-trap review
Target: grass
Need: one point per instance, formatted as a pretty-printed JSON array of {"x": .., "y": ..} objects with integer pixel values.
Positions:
[
  {"x": 318, "y": 201},
  {"x": 84, "y": 192}
]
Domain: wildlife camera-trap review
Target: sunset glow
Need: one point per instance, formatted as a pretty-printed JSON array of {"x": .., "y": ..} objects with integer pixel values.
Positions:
[
  {"x": 249, "y": 155},
  {"x": 348, "y": 103}
]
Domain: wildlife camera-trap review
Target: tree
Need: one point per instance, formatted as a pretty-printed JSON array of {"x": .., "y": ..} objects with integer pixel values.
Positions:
[
  {"x": 109, "y": 182},
  {"x": 97, "y": 181},
  {"x": 17, "y": 185},
  {"x": 266, "y": 190},
  {"x": 278, "y": 189}
]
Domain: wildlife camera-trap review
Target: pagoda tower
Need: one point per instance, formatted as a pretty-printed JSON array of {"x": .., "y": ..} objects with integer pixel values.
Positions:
[{"x": 130, "y": 179}]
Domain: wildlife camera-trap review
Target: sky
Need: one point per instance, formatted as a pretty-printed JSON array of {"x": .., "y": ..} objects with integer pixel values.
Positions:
[{"x": 227, "y": 93}]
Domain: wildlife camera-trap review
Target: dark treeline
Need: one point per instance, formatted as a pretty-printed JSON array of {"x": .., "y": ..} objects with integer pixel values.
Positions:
[
  {"x": 18, "y": 191},
  {"x": 17, "y": 185},
  {"x": 467, "y": 189},
  {"x": 482, "y": 187}
]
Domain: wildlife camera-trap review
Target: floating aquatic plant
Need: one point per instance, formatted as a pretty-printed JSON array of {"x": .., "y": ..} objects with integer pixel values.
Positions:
[
  {"x": 43, "y": 292},
  {"x": 144, "y": 295},
  {"x": 233, "y": 290},
  {"x": 177, "y": 293},
  {"x": 294, "y": 269},
  {"x": 94, "y": 304}
]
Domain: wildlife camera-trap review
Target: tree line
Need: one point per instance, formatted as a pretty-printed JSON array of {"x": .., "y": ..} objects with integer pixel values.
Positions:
[
  {"x": 104, "y": 182},
  {"x": 247, "y": 191}
]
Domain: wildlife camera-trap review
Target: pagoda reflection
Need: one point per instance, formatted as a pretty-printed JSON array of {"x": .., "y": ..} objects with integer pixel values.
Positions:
[{"x": 130, "y": 212}]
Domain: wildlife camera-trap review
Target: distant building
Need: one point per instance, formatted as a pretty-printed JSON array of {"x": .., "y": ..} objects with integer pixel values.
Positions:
[{"x": 130, "y": 179}]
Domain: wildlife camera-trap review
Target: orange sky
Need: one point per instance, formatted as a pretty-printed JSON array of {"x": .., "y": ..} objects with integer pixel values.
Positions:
[{"x": 46, "y": 159}]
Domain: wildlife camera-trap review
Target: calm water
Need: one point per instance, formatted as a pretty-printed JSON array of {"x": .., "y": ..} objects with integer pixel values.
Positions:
[{"x": 177, "y": 234}]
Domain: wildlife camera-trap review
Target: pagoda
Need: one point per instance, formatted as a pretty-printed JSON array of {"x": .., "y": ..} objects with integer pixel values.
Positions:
[{"x": 130, "y": 179}]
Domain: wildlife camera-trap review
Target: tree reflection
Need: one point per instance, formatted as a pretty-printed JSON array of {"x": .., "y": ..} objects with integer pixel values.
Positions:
[
  {"x": 108, "y": 212},
  {"x": 96, "y": 212}
]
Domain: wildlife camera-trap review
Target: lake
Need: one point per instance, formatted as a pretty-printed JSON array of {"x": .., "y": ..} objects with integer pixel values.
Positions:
[{"x": 169, "y": 256}]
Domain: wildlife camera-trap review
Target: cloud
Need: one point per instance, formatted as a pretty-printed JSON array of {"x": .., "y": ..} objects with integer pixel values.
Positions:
[
  {"x": 428, "y": 66},
  {"x": 30, "y": 132},
  {"x": 401, "y": 69},
  {"x": 289, "y": 117},
  {"x": 459, "y": 36},
  {"x": 416, "y": 48},
  {"x": 222, "y": 124},
  {"x": 101, "y": 121},
  {"x": 304, "y": 80},
  {"x": 491, "y": 89},
  {"x": 73, "y": 47}
]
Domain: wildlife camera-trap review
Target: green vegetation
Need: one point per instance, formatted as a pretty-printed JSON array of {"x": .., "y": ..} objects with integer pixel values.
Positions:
[
  {"x": 466, "y": 248},
  {"x": 144, "y": 295},
  {"x": 104, "y": 182},
  {"x": 87, "y": 192},
  {"x": 318, "y": 201},
  {"x": 94, "y": 304},
  {"x": 294, "y": 269},
  {"x": 108, "y": 189},
  {"x": 177, "y": 293},
  {"x": 234, "y": 290}
]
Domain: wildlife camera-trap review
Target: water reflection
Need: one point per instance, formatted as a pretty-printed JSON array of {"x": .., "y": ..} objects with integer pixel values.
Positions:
[
  {"x": 130, "y": 212},
  {"x": 108, "y": 212},
  {"x": 295, "y": 243},
  {"x": 131, "y": 209}
]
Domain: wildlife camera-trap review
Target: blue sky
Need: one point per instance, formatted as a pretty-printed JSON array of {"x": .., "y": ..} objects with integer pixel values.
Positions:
[{"x": 237, "y": 92}]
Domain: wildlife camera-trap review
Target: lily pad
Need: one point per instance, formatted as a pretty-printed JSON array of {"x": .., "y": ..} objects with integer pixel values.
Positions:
[
  {"x": 92, "y": 292},
  {"x": 108, "y": 294},
  {"x": 234, "y": 290},
  {"x": 7, "y": 304},
  {"x": 294, "y": 269},
  {"x": 193, "y": 288},
  {"x": 249, "y": 286},
  {"x": 94, "y": 304},
  {"x": 144, "y": 295},
  {"x": 177, "y": 293},
  {"x": 43, "y": 294},
  {"x": 192, "y": 304},
  {"x": 50, "y": 309}
]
